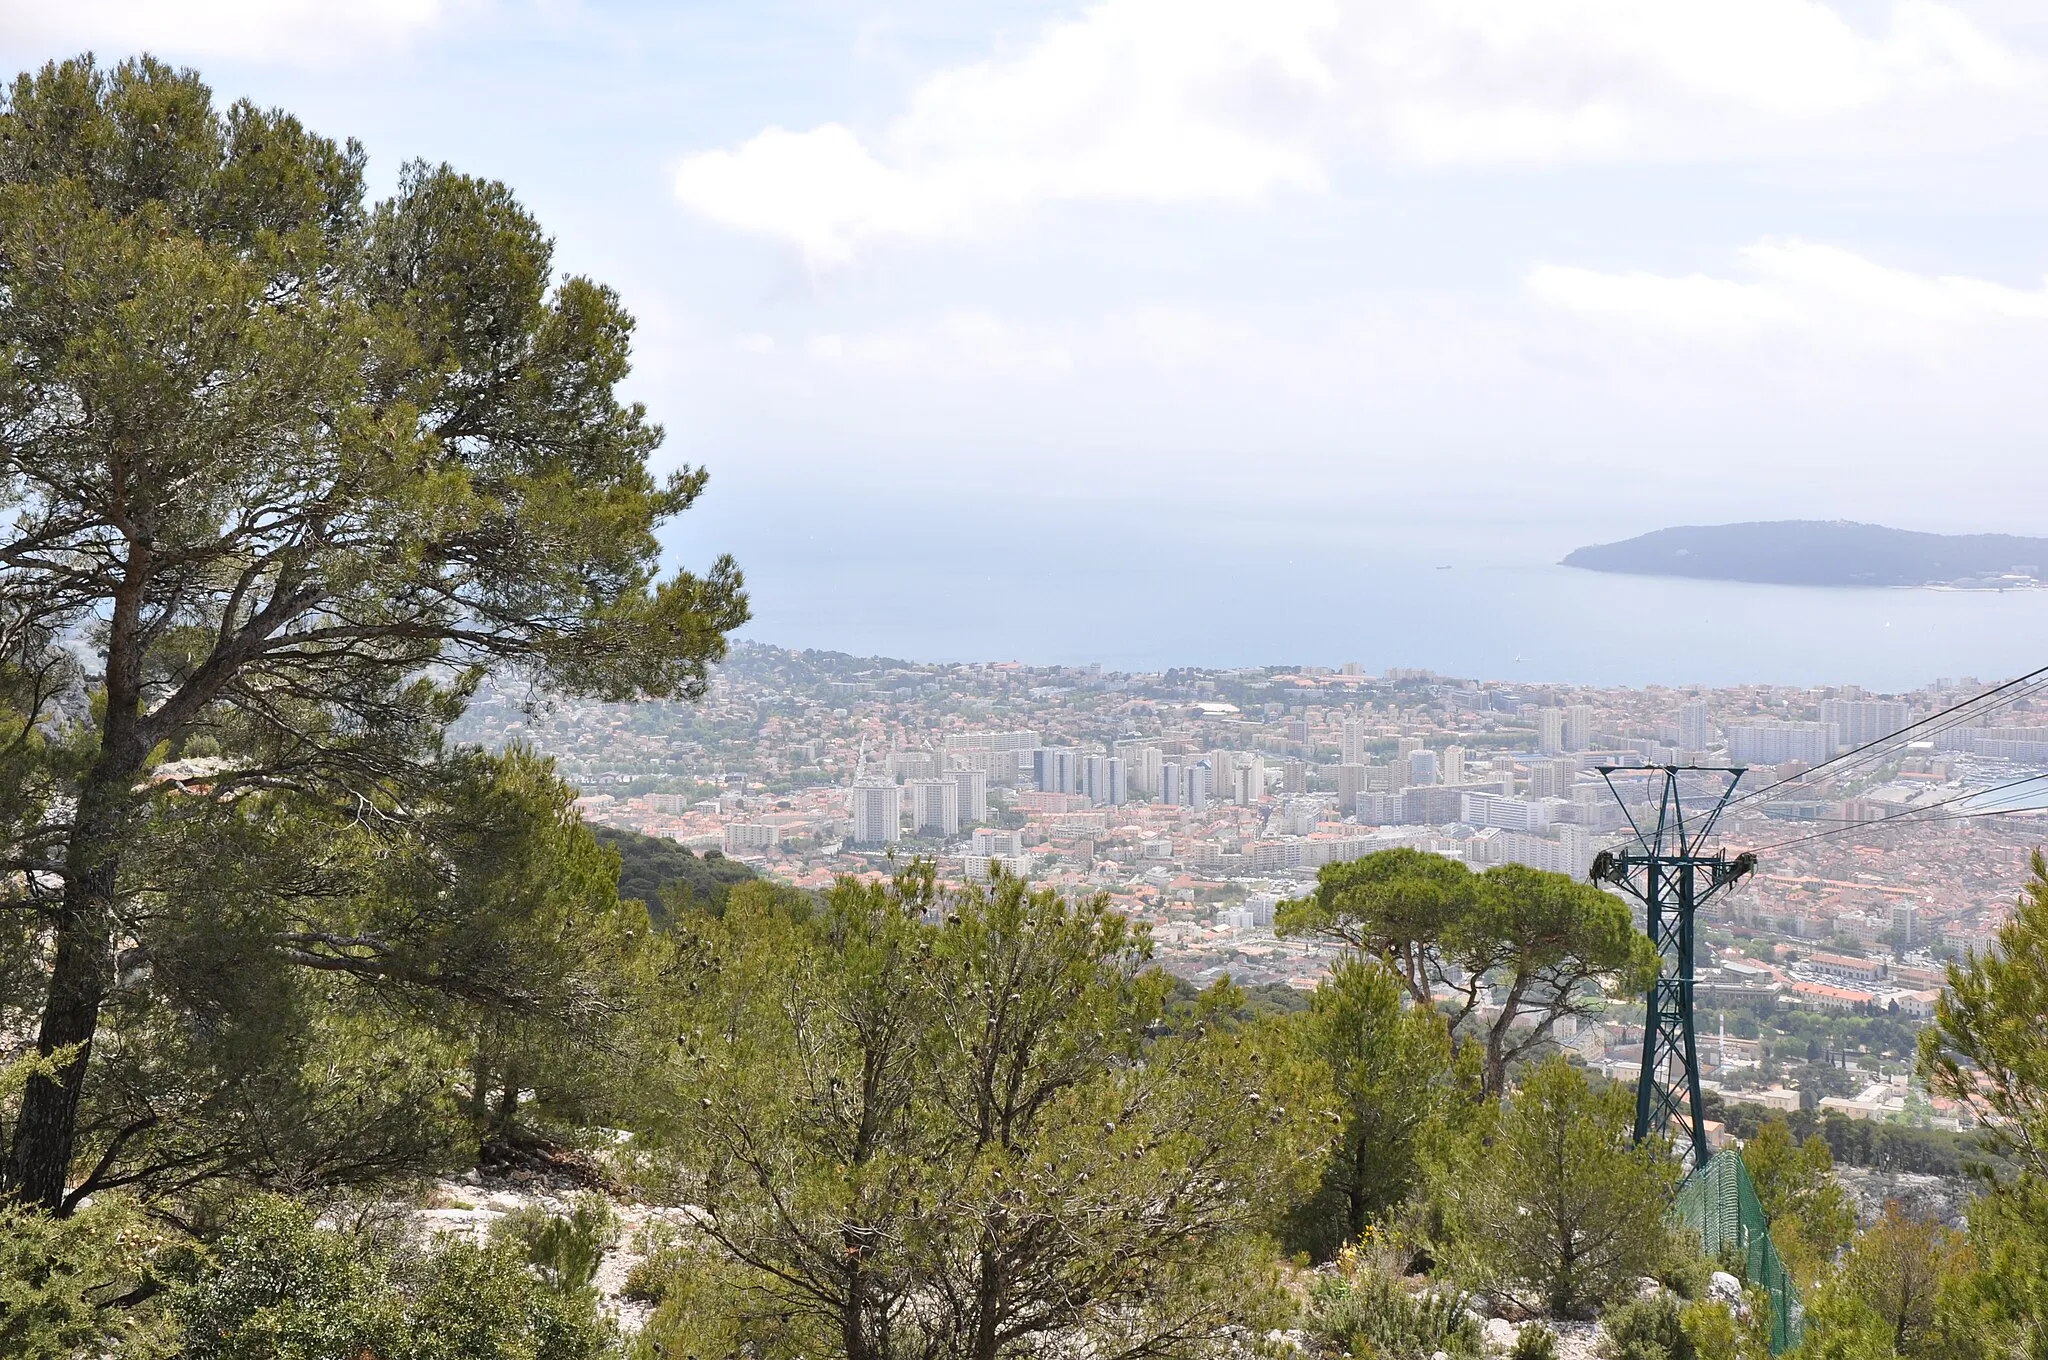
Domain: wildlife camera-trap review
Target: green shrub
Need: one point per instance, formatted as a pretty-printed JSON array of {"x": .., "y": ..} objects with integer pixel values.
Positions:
[
  {"x": 63, "y": 1280},
  {"x": 1369, "y": 1315},
  {"x": 1716, "y": 1333},
  {"x": 1685, "y": 1270},
  {"x": 706, "y": 1308},
  {"x": 274, "y": 1284},
  {"x": 1646, "y": 1329},
  {"x": 565, "y": 1249},
  {"x": 1534, "y": 1342},
  {"x": 481, "y": 1303}
]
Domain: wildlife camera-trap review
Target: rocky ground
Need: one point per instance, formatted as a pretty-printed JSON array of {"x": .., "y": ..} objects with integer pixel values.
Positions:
[
  {"x": 1944, "y": 1199},
  {"x": 470, "y": 1206}
]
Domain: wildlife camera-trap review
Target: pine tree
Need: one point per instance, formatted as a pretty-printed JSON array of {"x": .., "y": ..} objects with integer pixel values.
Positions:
[{"x": 282, "y": 472}]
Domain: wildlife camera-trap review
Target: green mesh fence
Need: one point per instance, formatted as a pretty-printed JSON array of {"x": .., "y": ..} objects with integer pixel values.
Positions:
[{"x": 1719, "y": 1202}]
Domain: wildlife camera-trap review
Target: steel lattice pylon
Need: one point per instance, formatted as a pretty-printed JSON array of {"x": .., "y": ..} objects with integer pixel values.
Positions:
[{"x": 1665, "y": 869}]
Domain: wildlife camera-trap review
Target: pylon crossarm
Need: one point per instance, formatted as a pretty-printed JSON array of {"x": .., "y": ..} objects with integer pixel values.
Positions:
[
  {"x": 1607, "y": 777},
  {"x": 1720, "y": 805}
]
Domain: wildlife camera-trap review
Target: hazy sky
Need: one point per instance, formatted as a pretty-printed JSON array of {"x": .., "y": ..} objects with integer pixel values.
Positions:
[{"x": 1625, "y": 262}]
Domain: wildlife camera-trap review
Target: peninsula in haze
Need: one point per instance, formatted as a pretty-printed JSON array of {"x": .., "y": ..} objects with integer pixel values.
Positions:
[{"x": 1801, "y": 552}]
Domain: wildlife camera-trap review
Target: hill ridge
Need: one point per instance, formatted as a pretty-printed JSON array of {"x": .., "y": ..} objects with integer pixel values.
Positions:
[{"x": 1835, "y": 552}]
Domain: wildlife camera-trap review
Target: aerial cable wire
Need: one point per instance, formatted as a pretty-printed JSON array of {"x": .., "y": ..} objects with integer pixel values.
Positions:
[
  {"x": 1838, "y": 773},
  {"x": 2019, "y": 687},
  {"x": 2022, "y": 686},
  {"x": 1912, "y": 812},
  {"x": 1955, "y": 716}
]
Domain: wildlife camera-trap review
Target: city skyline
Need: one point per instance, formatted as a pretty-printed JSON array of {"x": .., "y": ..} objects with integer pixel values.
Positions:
[{"x": 822, "y": 761}]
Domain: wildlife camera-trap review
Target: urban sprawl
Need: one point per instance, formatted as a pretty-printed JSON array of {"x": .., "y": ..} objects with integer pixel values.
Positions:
[{"x": 1199, "y": 800}]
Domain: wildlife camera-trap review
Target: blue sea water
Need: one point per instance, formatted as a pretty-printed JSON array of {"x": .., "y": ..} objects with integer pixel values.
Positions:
[{"x": 1072, "y": 580}]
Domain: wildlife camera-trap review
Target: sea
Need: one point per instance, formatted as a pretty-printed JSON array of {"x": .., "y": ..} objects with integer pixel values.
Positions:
[{"x": 1131, "y": 586}]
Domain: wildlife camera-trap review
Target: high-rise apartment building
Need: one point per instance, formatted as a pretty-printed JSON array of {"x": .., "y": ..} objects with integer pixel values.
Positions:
[
  {"x": 991, "y": 741},
  {"x": 1454, "y": 765},
  {"x": 1422, "y": 767},
  {"x": 1351, "y": 743},
  {"x": 1057, "y": 769},
  {"x": 877, "y": 813},
  {"x": 973, "y": 785},
  {"x": 1578, "y": 727},
  {"x": 1173, "y": 783},
  {"x": 934, "y": 806},
  {"x": 1693, "y": 731},
  {"x": 1860, "y": 721},
  {"x": 995, "y": 767},
  {"x": 1141, "y": 765},
  {"x": 1350, "y": 783},
  {"x": 911, "y": 765},
  {"x": 1514, "y": 814},
  {"x": 988, "y": 841},
  {"x": 1906, "y": 920},
  {"x": 1553, "y": 778},
  {"x": 741, "y": 836},
  {"x": 1247, "y": 778},
  {"x": 1094, "y": 777},
  {"x": 1775, "y": 743},
  {"x": 1431, "y": 805},
  {"x": 1104, "y": 780},
  {"x": 1550, "y": 730},
  {"x": 1199, "y": 776}
]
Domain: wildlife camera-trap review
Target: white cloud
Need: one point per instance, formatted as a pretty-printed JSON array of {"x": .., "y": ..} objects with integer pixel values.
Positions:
[
  {"x": 960, "y": 344},
  {"x": 1225, "y": 100},
  {"x": 1797, "y": 288},
  {"x": 1808, "y": 365},
  {"x": 295, "y": 31},
  {"x": 1156, "y": 100}
]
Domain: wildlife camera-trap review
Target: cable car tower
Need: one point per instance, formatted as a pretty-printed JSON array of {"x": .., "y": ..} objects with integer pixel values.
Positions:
[{"x": 1667, "y": 870}]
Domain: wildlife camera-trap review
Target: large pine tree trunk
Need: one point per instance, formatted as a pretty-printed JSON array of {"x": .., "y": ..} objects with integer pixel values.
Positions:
[
  {"x": 38, "y": 1164},
  {"x": 39, "y": 1159}
]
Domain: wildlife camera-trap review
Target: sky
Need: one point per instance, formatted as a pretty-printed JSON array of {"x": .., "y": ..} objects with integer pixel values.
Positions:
[{"x": 1090, "y": 279}]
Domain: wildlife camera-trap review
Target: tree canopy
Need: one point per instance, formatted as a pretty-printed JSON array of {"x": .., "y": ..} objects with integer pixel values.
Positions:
[
  {"x": 1563, "y": 1212},
  {"x": 934, "y": 1125},
  {"x": 1541, "y": 944},
  {"x": 667, "y": 877},
  {"x": 1984, "y": 1051},
  {"x": 1396, "y": 1085},
  {"x": 282, "y": 472}
]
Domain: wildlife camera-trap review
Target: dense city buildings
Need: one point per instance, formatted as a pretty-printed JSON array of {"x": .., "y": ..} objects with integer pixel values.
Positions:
[{"x": 1195, "y": 799}]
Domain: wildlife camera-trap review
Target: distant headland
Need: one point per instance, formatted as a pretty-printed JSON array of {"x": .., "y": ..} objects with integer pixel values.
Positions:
[{"x": 1805, "y": 552}]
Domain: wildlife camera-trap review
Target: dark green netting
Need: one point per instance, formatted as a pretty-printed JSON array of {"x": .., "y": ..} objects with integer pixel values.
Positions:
[{"x": 1719, "y": 1202}]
